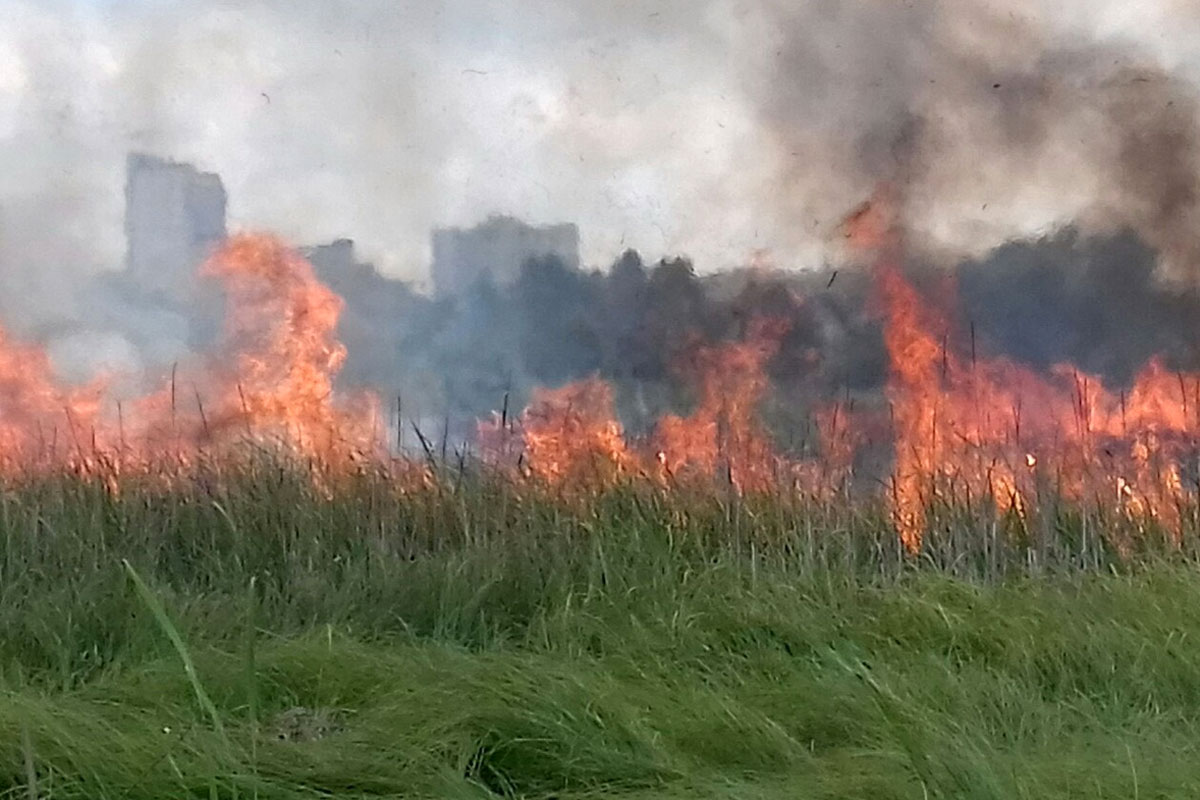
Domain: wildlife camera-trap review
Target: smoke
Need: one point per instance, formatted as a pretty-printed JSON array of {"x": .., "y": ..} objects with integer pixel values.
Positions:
[
  {"x": 992, "y": 124},
  {"x": 375, "y": 120},
  {"x": 1093, "y": 302},
  {"x": 709, "y": 128}
]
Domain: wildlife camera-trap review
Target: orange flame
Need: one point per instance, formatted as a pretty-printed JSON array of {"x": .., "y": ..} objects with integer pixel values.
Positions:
[
  {"x": 40, "y": 421},
  {"x": 959, "y": 426},
  {"x": 271, "y": 381},
  {"x": 282, "y": 349},
  {"x": 988, "y": 427},
  {"x": 572, "y": 436},
  {"x": 723, "y": 438}
]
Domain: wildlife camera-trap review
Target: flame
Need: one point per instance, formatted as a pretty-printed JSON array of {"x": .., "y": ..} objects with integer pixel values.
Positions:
[
  {"x": 723, "y": 438},
  {"x": 572, "y": 437},
  {"x": 917, "y": 368},
  {"x": 281, "y": 350},
  {"x": 961, "y": 427},
  {"x": 40, "y": 420},
  {"x": 270, "y": 381},
  {"x": 967, "y": 427},
  {"x": 568, "y": 437}
]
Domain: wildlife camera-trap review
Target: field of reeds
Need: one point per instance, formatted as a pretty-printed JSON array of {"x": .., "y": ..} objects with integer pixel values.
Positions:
[{"x": 251, "y": 632}]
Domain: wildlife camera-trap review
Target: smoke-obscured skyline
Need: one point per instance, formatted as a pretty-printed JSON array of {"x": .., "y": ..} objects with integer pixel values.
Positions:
[{"x": 712, "y": 129}]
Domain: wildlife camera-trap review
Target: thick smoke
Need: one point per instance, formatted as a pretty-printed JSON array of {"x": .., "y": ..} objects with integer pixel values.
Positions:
[
  {"x": 374, "y": 120},
  {"x": 1091, "y": 301},
  {"x": 713, "y": 129},
  {"x": 1094, "y": 302},
  {"x": 710, "y": 128},
  {"x": 638, "y": 326},
  {"x": 990, "y": 122}
]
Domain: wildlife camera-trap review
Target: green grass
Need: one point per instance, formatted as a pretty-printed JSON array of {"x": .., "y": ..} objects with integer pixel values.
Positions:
[{"x": 480, "y": 640}]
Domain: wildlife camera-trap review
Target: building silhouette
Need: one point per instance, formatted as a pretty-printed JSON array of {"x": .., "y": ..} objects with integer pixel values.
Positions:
[{"x": 174, "y": 217}]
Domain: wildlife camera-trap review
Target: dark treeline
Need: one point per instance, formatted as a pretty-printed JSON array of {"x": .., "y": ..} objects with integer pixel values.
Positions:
[
  {"x": 1094, "y": 302},
  {"x": 633, "y": 325}
]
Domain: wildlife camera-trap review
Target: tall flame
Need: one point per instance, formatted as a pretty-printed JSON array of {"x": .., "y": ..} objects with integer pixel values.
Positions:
[
  {"x": 271, "y": 380},
  {"x": 961, "y": 426},
  {"x": 987, "y": 427},
  {"x": 281, "y": 349},
  {"x": 723, "y": 438}
]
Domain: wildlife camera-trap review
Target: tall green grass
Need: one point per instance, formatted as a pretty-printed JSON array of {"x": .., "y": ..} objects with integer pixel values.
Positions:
[{"x": 274, "y": 637}]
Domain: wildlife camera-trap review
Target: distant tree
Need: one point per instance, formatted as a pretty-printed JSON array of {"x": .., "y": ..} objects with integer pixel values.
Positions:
[
  {"x": 476, "y": 351},
  {"x": 624, "y": 310},
  {"x": 556, "y": 317},
  {"x": 675, "y": 314}
]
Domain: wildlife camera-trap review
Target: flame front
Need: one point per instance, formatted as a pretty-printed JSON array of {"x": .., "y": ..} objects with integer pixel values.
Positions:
[
  {"x": 723, "y": 438},
  {"x": 972, "y": 428},
  {"x": 960, "y": 427},
  {"x": 572, "y": 436},
  {"x": 963, "y": 428},
  {"x": 282, "y": 352},
  {"x": 271, "y": 380}
]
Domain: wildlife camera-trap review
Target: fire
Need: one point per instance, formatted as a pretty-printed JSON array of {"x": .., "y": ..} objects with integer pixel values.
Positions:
[
  {"x": 723, "y": 438},
  {"x": 989, "y": 428},
  {"x": 281, "y": 351},
  {"x": 983, "y": 431},
  {"x": 572, "y": 436},
  {"x": 961, "y": 427},
  {"x": 39, "y": 420},
  {"x": 271, "y": 381},
  {"x": 916, "y": 397}
]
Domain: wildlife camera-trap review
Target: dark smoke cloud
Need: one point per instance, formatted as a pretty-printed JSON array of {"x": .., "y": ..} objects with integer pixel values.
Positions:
[
  {"x": 1092, "y": 301},
  {"x": 990, "y": 122},
  {"x": 710, "y": 128},
  {"x": 635, "y": 324}
]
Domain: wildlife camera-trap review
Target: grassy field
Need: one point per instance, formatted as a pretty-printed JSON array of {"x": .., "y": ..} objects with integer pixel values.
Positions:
[{"x": 246, "y": 635}]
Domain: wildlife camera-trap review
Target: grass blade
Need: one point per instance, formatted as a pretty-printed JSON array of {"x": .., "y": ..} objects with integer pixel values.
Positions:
[{"x": 172, "y": 633}]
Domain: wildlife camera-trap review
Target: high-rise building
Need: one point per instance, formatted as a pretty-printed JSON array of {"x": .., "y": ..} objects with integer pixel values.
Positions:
[
  {"x": 174, "y": 217},
  {"x": 498, "y": 248}
]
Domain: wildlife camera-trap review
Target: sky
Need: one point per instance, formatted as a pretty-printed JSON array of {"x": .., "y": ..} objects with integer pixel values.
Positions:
[{"x": 725, "y": 130}]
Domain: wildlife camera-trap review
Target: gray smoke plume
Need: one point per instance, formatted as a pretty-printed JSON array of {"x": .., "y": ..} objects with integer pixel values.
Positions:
[
  {"x": 711, "y": 128},
  {"x": 990, "y": 123}
]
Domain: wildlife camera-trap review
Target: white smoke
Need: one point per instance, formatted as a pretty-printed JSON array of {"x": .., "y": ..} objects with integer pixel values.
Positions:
[{"x": 642, "y": 122}]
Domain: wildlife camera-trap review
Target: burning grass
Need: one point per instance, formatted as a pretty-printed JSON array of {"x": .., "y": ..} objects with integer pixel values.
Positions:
[
  {"x": 1011, "y": 445},
  {"x": 245, "y": 596},
  {"x": 959, "y": 429}
]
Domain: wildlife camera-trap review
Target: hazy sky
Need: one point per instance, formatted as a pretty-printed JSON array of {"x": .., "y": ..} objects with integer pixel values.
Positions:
[{"x": 656, "y": 125}]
